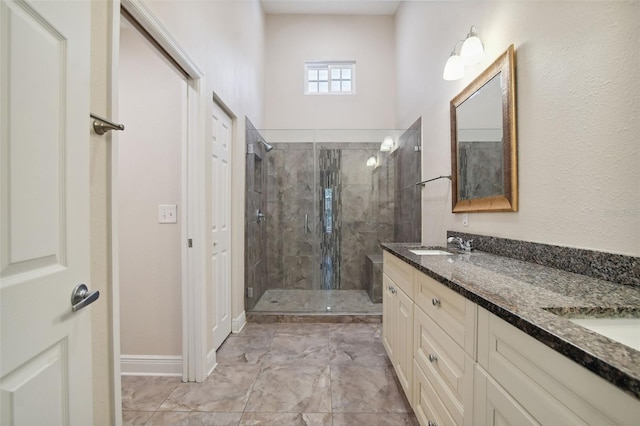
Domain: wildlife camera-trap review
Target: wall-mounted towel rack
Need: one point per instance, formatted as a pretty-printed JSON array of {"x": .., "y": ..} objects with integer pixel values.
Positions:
[
  {"x": 429, "y": 180},
  {"x": 102, "y": 125}
]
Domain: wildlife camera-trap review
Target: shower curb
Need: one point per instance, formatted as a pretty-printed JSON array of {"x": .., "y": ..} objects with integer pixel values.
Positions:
[{"x": 271, "y": 318}]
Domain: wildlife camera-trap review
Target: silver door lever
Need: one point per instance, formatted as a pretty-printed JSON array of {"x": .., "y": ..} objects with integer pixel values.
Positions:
[{"x": 81, "y": 297}]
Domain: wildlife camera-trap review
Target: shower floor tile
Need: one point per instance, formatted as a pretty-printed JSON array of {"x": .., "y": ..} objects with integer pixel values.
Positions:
[{"x": 338, "y": 301}]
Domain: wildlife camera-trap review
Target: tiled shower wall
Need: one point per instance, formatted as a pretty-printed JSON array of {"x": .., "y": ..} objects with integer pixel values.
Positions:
[
  {"x": 361, "y": 208},
  {"x": 407, "y": 213}
]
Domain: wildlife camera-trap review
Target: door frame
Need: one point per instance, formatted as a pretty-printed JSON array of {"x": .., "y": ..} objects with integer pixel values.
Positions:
[{"x": 193, "y": 187}]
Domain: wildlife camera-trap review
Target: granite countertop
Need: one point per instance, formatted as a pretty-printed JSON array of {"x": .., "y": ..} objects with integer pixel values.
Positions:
[{"x": 530, "y": 296}]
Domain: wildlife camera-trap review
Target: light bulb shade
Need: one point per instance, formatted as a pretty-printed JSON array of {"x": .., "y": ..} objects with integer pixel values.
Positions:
[
  {"x": 387, "y": 144},
  {"x": 454, "y": 68},
  {"x": 372, "y": 161},
  {"x": 472, "y": 50}
]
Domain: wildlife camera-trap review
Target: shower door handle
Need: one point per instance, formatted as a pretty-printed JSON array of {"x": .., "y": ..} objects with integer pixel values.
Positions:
[{"x": 306, "y": 223}]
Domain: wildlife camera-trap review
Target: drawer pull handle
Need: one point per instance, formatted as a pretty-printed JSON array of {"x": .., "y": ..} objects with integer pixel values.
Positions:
[
  {"x": 430, "y": 423},
  {"x": 433, "y": 358},
  {"x": 435, "y": 301}
]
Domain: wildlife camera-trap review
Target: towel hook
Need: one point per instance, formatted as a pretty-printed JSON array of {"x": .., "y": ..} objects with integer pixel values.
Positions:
[{"x": 102, "y": 125}]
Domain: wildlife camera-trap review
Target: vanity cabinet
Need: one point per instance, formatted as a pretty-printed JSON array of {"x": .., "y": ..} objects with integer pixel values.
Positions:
[
  {"x": 519, "y": 380},
  {"x": 397, "y": 325},
  {"x": 461, "y": 365},
  {"x": 428, "y": 332}
]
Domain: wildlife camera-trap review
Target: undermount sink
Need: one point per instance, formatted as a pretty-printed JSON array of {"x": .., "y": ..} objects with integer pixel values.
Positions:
[
  {"x": 429, "y": 252},
  {"x": 623, "y": 330}
]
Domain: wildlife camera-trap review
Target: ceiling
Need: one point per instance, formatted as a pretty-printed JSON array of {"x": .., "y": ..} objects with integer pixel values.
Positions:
[{"x": 331, "y": 7}]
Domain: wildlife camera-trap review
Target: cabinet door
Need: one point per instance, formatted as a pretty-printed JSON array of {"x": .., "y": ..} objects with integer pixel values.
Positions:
[
  {"x": 404, "y": 349},
  {"x": 388, "y": 317},
  {"x": 552, "y": 388},
  {"x": 494, "y": 406}
]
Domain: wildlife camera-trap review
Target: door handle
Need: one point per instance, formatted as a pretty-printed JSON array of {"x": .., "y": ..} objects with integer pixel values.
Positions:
[{"x": 81, "y": 297}]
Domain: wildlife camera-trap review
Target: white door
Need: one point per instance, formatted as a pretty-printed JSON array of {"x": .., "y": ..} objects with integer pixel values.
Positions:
[
  {"x": 45, "y": 367},
  {"x": 220, "y": 224}
]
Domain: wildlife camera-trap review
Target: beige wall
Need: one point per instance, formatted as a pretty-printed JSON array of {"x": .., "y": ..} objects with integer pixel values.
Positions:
[
  {"x": 293, "y": 39},
  {"x": 152, "y": 102},
  {"x": 578, "y": 107},
  {"x": 225, "y": 39}
]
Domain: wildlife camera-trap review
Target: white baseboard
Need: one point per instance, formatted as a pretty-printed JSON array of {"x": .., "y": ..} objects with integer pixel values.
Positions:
[
  {"x": 151, "y": 365},
  {"x": 238, "y": 323}
]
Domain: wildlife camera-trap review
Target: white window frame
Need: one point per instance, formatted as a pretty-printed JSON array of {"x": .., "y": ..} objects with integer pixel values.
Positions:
[{"x": 329, "y": 66}]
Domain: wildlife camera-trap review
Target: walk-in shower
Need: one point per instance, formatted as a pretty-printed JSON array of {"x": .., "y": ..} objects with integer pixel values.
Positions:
[{"x": 325, "y": 207}]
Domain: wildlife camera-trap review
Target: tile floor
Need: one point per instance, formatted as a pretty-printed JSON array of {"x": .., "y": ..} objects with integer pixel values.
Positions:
[
  {"x": 339, "y": 301},
  {"x": 280, "y": 374}
]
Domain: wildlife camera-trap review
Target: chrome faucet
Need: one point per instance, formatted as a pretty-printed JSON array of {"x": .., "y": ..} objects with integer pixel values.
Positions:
[{"x": 462, "y": 244}]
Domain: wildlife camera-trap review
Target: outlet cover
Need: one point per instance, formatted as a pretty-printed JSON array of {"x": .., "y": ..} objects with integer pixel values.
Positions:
[{"x": 167, "y": 213}]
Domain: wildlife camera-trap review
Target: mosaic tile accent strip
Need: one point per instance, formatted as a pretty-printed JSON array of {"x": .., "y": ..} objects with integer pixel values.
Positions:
[
  {"x": 330, "y": 213},
  {"x": 616, "y": 268}
]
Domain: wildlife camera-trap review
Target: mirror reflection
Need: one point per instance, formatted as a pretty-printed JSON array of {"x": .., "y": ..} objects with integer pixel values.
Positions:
[{"x": 479, "y": 129}]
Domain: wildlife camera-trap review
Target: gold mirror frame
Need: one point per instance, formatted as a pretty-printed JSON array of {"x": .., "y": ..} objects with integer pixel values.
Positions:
[{"x": 508, "y": 201}]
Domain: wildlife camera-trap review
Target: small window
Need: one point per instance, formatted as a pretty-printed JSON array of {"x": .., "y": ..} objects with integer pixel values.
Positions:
[{"x": 330, "y": 78}]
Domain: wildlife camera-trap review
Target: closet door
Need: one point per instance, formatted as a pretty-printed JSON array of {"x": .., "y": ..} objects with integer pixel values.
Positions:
[{"x": 220, "y": 225}]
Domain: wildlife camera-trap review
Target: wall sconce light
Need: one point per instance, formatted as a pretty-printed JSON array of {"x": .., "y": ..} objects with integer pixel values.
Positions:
[
  {"x": 372, "y": 161},
  {"x": 454, "y": 68},
  {"x": 387, "y": 144},
  {"x": 471, "y": 52}
]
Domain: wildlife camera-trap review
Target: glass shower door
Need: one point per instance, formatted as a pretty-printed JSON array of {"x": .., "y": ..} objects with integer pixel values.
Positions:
[{"x": 292, "y": 226}]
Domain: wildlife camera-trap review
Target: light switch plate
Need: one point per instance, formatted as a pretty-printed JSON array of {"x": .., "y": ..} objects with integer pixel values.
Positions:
[
  {"x": 465, "y": 219},
  {"x": 167, "y": 213}
]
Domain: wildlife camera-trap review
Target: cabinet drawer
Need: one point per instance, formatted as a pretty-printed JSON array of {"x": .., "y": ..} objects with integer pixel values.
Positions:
[
  {"x": 400, "y": 273},
  {"x": 445, "y": 364},
  {"x": 549, "y": 386},
  {"x": 455, "y": 314},
  {"x": 427, "y": 405}
]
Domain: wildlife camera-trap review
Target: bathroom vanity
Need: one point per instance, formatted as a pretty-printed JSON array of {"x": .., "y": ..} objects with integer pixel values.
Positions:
[{"x": 480, "y": 339}]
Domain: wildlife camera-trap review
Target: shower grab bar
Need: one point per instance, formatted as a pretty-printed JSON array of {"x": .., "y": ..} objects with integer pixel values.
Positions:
[{"x": 102, "y": 125}]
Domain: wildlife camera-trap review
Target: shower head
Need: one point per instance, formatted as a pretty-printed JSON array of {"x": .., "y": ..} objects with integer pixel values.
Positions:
[{"x": 268, "y": 147}]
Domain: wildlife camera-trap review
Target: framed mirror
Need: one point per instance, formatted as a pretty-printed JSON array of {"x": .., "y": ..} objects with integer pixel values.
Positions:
[{"x": 484, "y": 166}]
